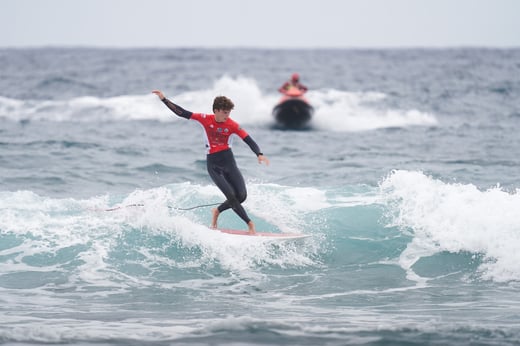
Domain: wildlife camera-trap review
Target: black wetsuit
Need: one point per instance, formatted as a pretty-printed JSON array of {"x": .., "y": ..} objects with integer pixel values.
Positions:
[{"x": 221, "y": 164}]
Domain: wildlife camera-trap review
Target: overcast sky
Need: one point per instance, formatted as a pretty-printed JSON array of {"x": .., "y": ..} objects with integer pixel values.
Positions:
[{"x": 260, "y": 23}]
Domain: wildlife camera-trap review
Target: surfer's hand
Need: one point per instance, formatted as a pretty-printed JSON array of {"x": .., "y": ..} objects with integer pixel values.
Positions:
[
  {"x": 159, "y": 94},
  {"x": 262, "y": 158}
]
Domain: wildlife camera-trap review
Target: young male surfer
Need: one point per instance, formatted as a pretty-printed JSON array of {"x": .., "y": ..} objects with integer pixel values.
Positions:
[{"x": 222, "y": 168}]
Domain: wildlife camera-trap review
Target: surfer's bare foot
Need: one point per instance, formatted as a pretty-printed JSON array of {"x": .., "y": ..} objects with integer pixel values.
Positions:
[
  {"x": 251, "y": 227},
  {"x": 215, "y": 218}
]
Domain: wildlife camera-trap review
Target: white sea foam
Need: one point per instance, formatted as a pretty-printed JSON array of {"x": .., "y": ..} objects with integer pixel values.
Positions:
[
  {"x": 232, "y": 252},
  {"x": 354, "y": 111},
  {"x": 335, "y": 110},
  {"x": 46, "y": 226},
  {"x": 456, "y": 217}
]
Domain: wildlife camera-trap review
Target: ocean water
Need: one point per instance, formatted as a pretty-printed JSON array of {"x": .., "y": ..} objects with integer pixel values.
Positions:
[{"x": 408, "y": 182}]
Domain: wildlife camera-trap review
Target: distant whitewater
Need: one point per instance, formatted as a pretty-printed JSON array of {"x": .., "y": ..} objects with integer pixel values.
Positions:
[{"x": 335, "y": 110}]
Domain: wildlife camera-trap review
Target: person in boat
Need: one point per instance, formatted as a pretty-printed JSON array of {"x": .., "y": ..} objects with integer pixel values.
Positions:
[
  {"x": 221, "y": 165},
  {"x": 293, "y": 83}
]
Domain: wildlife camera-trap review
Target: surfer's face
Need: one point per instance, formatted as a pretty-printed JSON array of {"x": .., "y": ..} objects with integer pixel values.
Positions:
[{"x": 221, "y": 115}]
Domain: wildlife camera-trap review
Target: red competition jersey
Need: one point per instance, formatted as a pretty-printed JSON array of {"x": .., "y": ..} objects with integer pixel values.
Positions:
[{"x": 218, "y": 135}]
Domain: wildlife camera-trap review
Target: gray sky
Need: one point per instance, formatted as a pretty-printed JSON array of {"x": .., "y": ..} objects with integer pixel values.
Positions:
[{"x": 260, "y": 23}]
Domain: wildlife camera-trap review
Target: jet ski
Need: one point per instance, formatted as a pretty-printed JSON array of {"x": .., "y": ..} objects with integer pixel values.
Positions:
[{"x": 293, "y": 111}]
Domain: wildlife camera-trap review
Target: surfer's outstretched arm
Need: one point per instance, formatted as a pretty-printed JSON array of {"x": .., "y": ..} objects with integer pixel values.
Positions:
[
  {"x": 172, "y": 106},
  {"x": 256, "y": 149}
]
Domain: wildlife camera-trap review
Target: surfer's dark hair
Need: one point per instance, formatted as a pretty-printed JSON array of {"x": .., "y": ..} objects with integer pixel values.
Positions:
[{"x": 223, "y": 103}]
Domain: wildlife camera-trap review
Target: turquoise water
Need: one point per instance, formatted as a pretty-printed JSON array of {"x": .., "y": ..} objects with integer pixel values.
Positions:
[{"x": 407, "y": 182}]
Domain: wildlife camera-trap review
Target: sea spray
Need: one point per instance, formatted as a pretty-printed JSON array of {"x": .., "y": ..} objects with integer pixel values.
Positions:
[
  {"x": 456, "y": 217},
  {"x": 335, "y": 110}
]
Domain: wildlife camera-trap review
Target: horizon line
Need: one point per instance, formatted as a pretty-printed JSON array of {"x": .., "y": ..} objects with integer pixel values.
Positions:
[{"x": 260, "y": 47}]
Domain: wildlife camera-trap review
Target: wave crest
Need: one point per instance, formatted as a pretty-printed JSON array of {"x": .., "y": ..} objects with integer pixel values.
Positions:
[{"x": 456, "y": 218}]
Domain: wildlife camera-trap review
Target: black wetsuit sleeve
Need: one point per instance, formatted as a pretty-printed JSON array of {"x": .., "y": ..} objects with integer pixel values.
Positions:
[
  {"x": 252, "y": 144},
  {"x": 177, "y": 109}
]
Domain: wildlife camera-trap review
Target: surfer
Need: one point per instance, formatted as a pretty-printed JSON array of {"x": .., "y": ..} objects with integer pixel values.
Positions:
[
  {"x": 293, "y": 83},
  {"x": 222, "y": 168}
]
